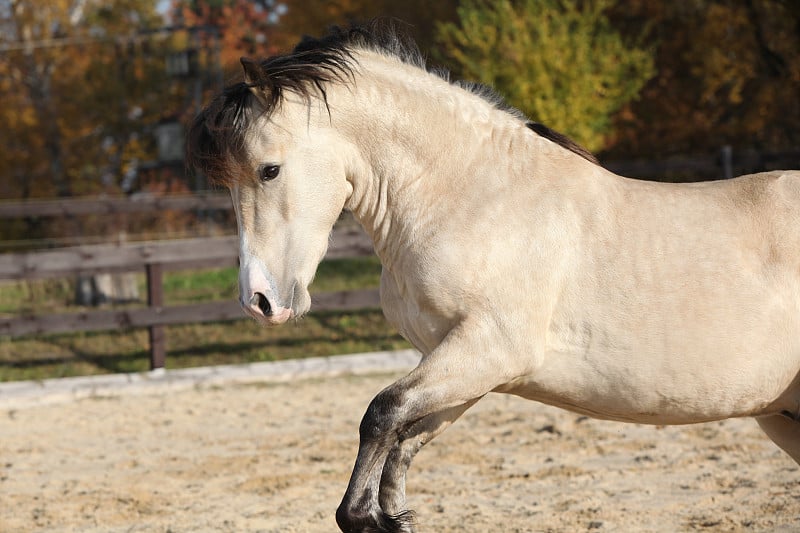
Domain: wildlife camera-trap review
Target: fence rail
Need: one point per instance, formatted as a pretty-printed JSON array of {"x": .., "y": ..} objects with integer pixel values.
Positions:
[
  {"x": 174, "y": 255},
  {"x": 93, "y": 259},
  {"x": 165, "y": 316},
  {"x": 114, "y": 205}
]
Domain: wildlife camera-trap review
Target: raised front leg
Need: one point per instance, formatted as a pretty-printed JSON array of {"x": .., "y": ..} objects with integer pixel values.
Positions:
[
  {"x": 360, "y": 510},
  {"x": 406, "y": 415}
]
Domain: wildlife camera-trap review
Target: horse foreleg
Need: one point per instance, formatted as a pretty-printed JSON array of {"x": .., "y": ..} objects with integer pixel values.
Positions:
[
  {"x": 392, "y": 496},
  {"x": 360, "y": 510},
  {"x": 446, "y": 381}
]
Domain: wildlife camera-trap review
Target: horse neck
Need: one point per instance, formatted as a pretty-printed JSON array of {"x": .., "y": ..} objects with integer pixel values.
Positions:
[{"x": 420, "y": 140}]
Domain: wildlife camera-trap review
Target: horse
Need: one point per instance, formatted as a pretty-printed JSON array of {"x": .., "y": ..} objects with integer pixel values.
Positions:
[{"x": 511, "y": 259}]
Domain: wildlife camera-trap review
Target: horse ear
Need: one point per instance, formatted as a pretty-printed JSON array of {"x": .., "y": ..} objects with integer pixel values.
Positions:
[
  {"x": 256, "y": 78},
  {"x": 253, "y": 73}
]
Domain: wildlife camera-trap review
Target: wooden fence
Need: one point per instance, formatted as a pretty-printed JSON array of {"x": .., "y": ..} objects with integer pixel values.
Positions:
[
  {"x": 113, "y": 205},
  {"x": 154, "y": 258}
]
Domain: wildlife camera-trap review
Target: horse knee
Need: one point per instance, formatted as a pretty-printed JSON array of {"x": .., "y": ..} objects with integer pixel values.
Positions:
[{"x": 383, "y": 414}]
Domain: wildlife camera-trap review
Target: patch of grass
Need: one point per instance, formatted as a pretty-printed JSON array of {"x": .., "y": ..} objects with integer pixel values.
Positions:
[
  {"x": 242, "y": 341},
  {"x": 36, "y": 296},
  {"x": 190, "y": 286},
  {"x": 347, "y": 274}
]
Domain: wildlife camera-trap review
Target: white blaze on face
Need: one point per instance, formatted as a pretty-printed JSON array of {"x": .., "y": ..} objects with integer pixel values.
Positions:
[{"x": 258, "y": 292}]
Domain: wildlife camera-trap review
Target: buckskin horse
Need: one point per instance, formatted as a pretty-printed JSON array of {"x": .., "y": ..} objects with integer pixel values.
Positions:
[{"x": 511, "y": 259}]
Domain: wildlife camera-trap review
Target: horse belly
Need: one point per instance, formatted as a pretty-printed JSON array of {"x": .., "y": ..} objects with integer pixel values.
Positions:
[{"x": 614, "y": 396}]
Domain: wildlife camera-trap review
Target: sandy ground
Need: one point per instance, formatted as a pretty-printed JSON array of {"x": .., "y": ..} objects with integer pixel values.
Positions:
[{"x": 276, "y": 457}]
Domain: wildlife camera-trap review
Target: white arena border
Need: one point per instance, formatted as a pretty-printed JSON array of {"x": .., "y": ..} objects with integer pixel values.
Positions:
[{"x": 17, "y": 394}]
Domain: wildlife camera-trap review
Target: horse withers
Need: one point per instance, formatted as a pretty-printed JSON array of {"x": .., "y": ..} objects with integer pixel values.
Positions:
[{"x": 511, "y": 259}]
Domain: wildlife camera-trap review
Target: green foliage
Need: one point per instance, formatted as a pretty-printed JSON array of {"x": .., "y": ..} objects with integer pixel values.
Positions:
[{"x": 559, "y": 61}]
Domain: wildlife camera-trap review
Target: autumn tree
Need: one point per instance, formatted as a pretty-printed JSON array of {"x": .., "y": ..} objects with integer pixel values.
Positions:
[
  {"x": 34, "y": 139},
  {"x": 416, "y": 18},
  {"x": 245, "y": 27},
  {"x": 728, "y": 73},
  {"x": 83, "y": 85},
  {"x": 76, "y": 90}
]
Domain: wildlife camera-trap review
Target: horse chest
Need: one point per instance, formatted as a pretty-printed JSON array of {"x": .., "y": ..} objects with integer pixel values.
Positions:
[{"x": 408, "y": 309}]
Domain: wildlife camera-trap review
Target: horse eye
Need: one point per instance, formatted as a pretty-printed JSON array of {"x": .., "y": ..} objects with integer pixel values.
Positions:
[{"x": 269, "y": 172}]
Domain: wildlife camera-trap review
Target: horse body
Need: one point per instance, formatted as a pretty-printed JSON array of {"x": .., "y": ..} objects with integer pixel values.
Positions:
[
  {"x": 512, "y": 263},
  {"x": 679, "y": 307}
]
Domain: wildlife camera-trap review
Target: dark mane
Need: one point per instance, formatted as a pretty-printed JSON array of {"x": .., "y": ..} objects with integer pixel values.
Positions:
[
  {"x": 215, "y": 143},
  {"x": 562, "y": 140}
]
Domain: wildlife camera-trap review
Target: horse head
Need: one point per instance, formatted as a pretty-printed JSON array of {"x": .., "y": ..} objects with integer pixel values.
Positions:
[{"x": 285, "y": 168}]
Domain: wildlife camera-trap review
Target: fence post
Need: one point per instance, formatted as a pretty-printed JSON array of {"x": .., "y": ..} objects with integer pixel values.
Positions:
[
  {"x": 726, "y": 158},
  {"x": 155, "y": 299}
]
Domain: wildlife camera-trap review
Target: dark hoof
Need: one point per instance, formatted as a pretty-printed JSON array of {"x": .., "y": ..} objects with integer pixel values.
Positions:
[{"x": 350, "y": 521}]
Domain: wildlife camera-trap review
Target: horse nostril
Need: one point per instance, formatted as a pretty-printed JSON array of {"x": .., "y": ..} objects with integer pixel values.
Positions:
[{"x": 261, "y": 301}]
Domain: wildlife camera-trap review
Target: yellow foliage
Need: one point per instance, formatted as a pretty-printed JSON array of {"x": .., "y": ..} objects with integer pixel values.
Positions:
[{"x": 559, "y": 61}]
